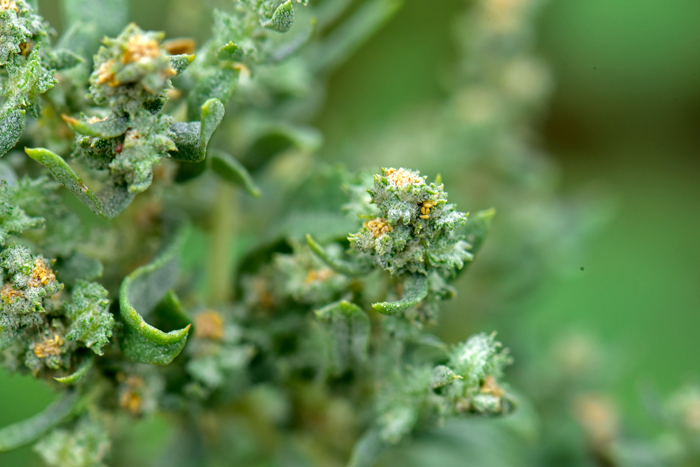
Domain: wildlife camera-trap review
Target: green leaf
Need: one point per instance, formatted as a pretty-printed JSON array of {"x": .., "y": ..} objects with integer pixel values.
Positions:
[
  {"x": 367, "y": 449},
  {"x": 61, "y": 59},
  {"x": 168, "y": 313},
  {"x": 109, "y": 128},
  {"x": 27, "y": 431},
  {"x": 218, "y": 83},
  {"x": 6, "y": 339},
  {"x": 228, "y": 168},
  {"x": 349, "y": 327},
  {"x": 267, "y": 138},
  {"x": 212, "y": 114},
  {"x": 343, "y": 267},
  {"x": 181, "y": 62},
  {"x": 415, "y": 289},
  {"x": 108, "y": 17},
  {"x": 110, "y": 202},
  {"x": 143, "y": 289},
  {"x": 478, "y": 227},
  {"x": 80, "y": 373},
  {"x": 192, "y": 138},
  {"x": 282, "y": 19},
  {"x": 442, "y": 376},
  {"x": 230, "y": 52},
  {"x": 11, "y": 128}
]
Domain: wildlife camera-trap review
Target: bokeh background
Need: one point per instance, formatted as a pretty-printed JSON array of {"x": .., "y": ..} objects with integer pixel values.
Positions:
[{"x": 622, "y": 125}]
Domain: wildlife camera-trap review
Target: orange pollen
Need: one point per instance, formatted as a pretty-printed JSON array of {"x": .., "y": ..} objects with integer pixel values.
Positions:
[
  {"x": 49, "y": 347},
  {"x": 105, "y": 75},
  {"x": 41, "y": 274},
  {"x": 378, "y": 227},
  {"x": 140, "y": 47},
  {"x": 401, "y": 177},
  {"x": 209, "y": 325},
  {"x": 320, "y": 275},
  {"x": 8, "y": 5},
  {"x": 491, "y": 387},
  {"x": 9, "y": 293}
]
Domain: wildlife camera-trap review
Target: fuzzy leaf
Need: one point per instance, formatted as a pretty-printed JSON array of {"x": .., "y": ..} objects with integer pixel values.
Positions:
[
  {"x": 108, "y": 16},
  {"x": 80, "y": 373},
  {"x": 343, "y": 267},
  {"x": 109, "y": 128},
  {"x": 181, "y": 62},
  {"x": 228, "y": 168},
  {"x": 11, "y": 128},
  {"x": 230, "y": 52},
  {"x": 282, "y": 19},
  {"x": 89, "y": 311},
  {"x": 110, "y": 202},
  {"x": 442, "y": 376},
  {"x": 192, "y": 138},
  {"x": 143, "y": 289},
  {"x": 61, "y": 59},
  {"x": 218, "y": 83},
  {"x": 350, "y": 329},
  {"x": 27, "y": 431},
  {"x": 415, "y": 289}
]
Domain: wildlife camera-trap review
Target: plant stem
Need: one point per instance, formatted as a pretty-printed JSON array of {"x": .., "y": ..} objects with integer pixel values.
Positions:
[{"x": 223, "y": 228}]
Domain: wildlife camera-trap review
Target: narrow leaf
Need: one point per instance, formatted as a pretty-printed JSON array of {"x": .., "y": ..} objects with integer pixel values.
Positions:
[
  {"x": 212, "y": 114},
  {"x": 415, "y": 289},
  {"x": 29, "y": 430},
  {"x": 343, "y": 267},
  {"x": 228, "y": 168},
  {"x": 80, "y": 373},
  {"x": 112, "y": 199},
  {"x": 144, "y": 288},
  {"x": 109, "y": 128}
]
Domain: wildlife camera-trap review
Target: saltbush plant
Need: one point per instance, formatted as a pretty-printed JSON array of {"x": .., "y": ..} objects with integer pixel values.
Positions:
[
  {"x": 171, "y": 250},
  {"x": 314, "y": 342}
]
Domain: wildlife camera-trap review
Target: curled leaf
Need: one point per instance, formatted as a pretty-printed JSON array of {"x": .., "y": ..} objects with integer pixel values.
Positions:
[
  {"x": 415, "y": 289},
  {"x": 192, "y": 138},
  {"x": 143, "y": 289},
  {"x": 29, "y": 430},
  {"x": 108, "y": 128},
  {"x": 228, "y": 168},
  {"x": 111, "y": 200},
  {"x": 343, "y": 267},
  {"x": 80, "y": 373},
  {"x": 282, "y": 19}
]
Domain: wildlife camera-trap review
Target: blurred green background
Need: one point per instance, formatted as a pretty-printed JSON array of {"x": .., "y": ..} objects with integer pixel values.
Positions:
[{"x": 623, "y": 122}]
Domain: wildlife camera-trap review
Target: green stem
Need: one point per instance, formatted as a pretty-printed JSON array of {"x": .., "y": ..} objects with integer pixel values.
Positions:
[{"x": 223, "y": 228}]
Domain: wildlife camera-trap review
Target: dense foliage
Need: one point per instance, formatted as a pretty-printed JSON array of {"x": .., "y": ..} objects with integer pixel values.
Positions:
[{"x": 140, "y": 276}]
